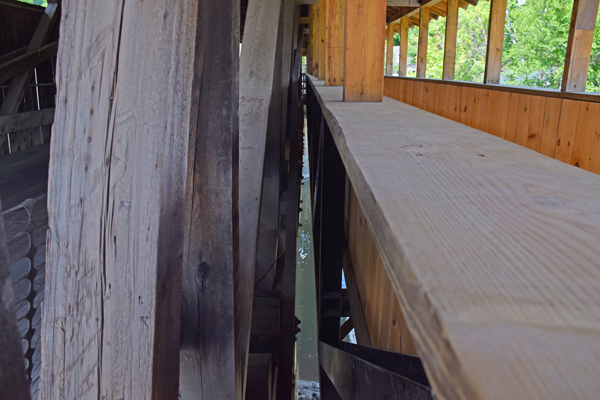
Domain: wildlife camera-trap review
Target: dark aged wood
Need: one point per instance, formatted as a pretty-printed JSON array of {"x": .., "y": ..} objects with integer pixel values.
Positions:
[
  {"x": 13, "y": 384},
  {"x": 117, "y": 197},
  {"x": 287, "y": 284},
  {"x": 17, "y": 65},
  {"x": 26, "y": 120},
  {"x": 208, "y": 368},
  {"x": 356, "y": 378},
  {"x": 356, "y": 308}
]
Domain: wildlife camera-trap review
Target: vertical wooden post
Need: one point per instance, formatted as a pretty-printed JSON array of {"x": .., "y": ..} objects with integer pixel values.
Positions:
[
  {"x": 315, "y": 39},
  {"x": 493, "y": 60},
  {"x": 334, "y": 53},
  {"x": 403, "y": 47},
  {"x": 117, "y": 188},
  {"x": 322, "y": 39},
  {"x": 309, "y": 45},
  {"x": 579, "y": 46},
  {"x": 450, "y": 44},
  {"x": 13, "y": 383},
  {"x": 389, "y": 55},
  {"x": 423, "y": 38},
  {"x": 363, "y": 56}
]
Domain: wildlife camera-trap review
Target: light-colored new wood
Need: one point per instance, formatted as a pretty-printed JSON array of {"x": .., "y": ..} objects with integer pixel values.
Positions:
[
  {"x": 423, "y": 39},
  {"x": 493, "y": 61},
  {"x": 116, "y": 200},
  {"x": 315, "y": 39},
  {"x": 323, "y": 6},
  {"x": 257, "y": 62},
  {"x": 364, "y": 50},
  {"x": 403, "y": 47},
  {"x": 389, "y": 50},
  {"x": 492, "y": 250},
  {"x": 450, "y": 40},
  {"x": 579, "y": 45},
  {"x": 334, "y": 53}
]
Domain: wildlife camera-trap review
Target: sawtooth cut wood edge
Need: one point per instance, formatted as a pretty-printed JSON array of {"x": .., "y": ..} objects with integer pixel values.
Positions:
[{"x": 491, "y": 248}]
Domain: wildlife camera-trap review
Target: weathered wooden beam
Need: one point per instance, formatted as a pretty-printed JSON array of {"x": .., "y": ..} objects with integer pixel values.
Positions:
[
  {"x": 315, "y": 40},
  {"x": 309, "y": 45},
  {"x": 116, "y": 200},
  {"x": 13, "y": 383},
  {"x": 450, "y": 42},
  {"x": 404, "y": 22},
  {"x": 346, "y": 328},
  {"x": 257, "y": 64},
  {"x": 423, "y": 38},
  {"x": 334, "y": 53},
  {"x": 26, "y": 120},
  {"x": 493, "y": 60},
  {"x": 404, "y": 3},
  {"x": 17, "y": 65},
  {"x": 209, "y": 357},
  {"x": 579, "y": 45},
  {"x": 355, "y": 378},
  {"x": 356, "y": 308},
  {"x": 389, "y": 54},
  {"x": 40, "y": 36},
  {"x": 363, "y": 56},
  {"x": 323, "y": 6}
]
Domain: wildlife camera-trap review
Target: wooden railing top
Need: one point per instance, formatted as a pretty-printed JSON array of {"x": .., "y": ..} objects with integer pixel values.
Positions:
[
  {"x": 593, "y": 97},
  {"x": 493, "y": 250}
]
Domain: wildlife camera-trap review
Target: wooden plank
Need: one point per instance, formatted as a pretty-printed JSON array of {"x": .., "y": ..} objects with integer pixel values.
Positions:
[
  {"x": 363, "y": 56},
  {"x": 523, "y": 245},
  {"x": 40, "y": 36},
  {"x": 389, "y": 50},
  {"x": 536, "y": 123},
  {"x": 315, "y": 39},
  {"x": 551, "y": 120},
  {"x": 26, "y": 120},
  {"x": 493, "y": 60},
  {"x": 13, "y": 382},
  {"x": 334, "y": 50},
  {"x": 209, "y": 357},
  {"x": 322, "y": 39},
  {"x": 403, "y": 47},
  {"x": 585, "y": 135},
  {"x": 423, "y": 39},
  {"x": 523, "y": 117},
  {"x": 257, "y": 62},
  {"x": 569, "y": 115},
  {"x": 117, "y": 200},
  {"x": 579, "y": 45},
  {"x": 450, "y": 41},
  {"x": 17, "y": 65}
]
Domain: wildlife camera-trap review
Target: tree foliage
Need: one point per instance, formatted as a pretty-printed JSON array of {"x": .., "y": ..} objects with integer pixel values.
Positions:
[{"x": 43, "y": 3}]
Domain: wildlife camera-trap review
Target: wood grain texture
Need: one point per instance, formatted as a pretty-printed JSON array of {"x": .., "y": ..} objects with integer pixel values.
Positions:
[
  {"x": 13, "y": 383},
  {"x": 116, "y": 200},
  {"x": 579, "y": 45},
  {"x": 450, "y": 40},
  {"x": 423, "y": 39},
  {"x": 334, "y": 49},
  {"x": 389, "y": 50},
  {"x": 315, "y": 39},
  {"x": 364, "y": 53},
  {"x": 536, "y": 119},
  {"x": 491, "y": 250},
  {"x": 495, "y": 42},
  {"x": 403, "y": 47},
  {"x": 323, "y": 7}
]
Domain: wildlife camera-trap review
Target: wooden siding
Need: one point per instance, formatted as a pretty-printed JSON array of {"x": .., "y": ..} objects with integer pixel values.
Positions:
[{"x": 565, "y": 129}]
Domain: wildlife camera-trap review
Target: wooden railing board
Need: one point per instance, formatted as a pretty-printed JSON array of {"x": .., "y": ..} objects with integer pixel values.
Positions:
[
  {"x": 491, "y": 250},
  {"x": 541, "y": 120}
]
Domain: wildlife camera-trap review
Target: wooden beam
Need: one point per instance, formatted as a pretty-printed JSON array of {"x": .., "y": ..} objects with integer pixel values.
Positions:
[
  {"x": 356, "y": 308},
  {"x": 322, "y": 39},
  {"x": 209, "y": 357},
  {"x": 334, "y": 53},
  {"x": 493, "y": 61},
  {"x": 26, "y": 120},
  {"x": 257, "y": 62},
  {"x": 13, "y": 383},
  {"x": 315, "y": 40},
  {"x": 363, "y": 57},
  {"x": 404, "y": 22},
  {"x": 579, "y": 45},
  {"x": 17, "y": 65},
  {"x": 346, "y": 328},
  {"x": 404, "y": 3},
  {"x": 450, "y": 43},
  {"x": 309, "y": 45},
  {"x": 389, "y": 55},
  {"x": 423, "y": 38},
  {"x": 40, "y": 36},
  {"x": 113, "y": 263}
]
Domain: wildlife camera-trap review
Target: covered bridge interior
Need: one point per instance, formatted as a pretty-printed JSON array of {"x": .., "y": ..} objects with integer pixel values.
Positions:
[{"x": 151, "y": 167}]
